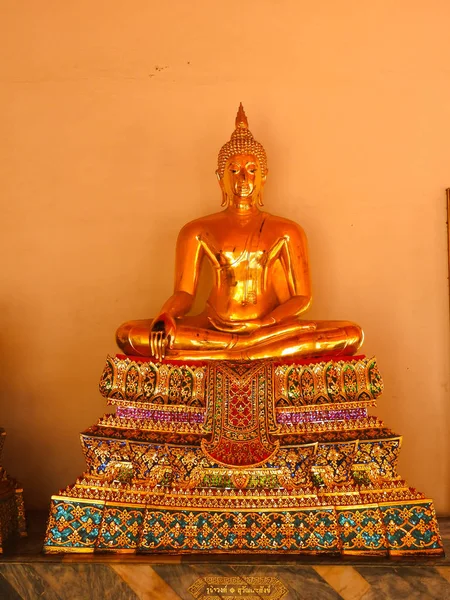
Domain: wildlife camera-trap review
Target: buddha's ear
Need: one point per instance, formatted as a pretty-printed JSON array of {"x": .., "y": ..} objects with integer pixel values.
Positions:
[
  {"x": 263, "y": 181},
  {"x": 224, "y": 196}
]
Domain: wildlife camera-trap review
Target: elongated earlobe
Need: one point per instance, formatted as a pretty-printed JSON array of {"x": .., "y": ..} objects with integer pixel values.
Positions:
[
  {"x": 224, "y": 196},
  {"x": 260, "y": 198},
  {"x": 263, "y": 181}
]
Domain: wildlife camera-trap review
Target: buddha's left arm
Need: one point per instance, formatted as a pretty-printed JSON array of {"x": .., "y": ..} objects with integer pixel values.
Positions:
[{"x": 294, "y": 260}]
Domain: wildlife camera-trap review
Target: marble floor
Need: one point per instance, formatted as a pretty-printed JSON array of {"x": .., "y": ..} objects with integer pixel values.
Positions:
[{"x": 27, "y": 574}]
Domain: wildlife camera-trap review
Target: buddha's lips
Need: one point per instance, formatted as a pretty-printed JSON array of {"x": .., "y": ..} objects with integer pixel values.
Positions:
[{"x": 243, "y": 190}]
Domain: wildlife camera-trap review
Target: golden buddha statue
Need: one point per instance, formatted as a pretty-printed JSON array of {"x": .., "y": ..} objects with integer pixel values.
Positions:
[
  {"x": 212, "y": 446},
  {"x": 261, "y": 279}
]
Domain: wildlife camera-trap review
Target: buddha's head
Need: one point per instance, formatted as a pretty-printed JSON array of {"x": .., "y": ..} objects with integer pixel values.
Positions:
[{"x": 242, "y": 166}]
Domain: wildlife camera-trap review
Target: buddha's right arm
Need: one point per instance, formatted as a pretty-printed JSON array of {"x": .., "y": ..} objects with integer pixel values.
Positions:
[
  {"x": 188, "y": 258},
  {"x": 178, "y": 304}
]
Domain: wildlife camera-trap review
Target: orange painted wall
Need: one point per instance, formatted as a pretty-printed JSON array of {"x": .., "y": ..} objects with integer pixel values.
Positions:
[{"x": 112, "y": 114}]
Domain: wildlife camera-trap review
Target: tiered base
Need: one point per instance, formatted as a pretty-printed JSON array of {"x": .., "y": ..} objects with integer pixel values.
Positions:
[
  {"x": 347, "y": 522},
  {"x": 242, "y": 457}
]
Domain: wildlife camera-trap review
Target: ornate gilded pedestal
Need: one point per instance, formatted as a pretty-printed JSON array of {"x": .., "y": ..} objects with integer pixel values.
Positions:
[
  {"x": 261, "y": 456},
  {"x": 12, "y": 513}
]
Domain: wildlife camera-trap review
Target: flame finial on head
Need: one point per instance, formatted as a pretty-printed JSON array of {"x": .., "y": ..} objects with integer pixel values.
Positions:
[
  {"x": 241, "y": 118},
  {"x": 241, "y": 142}
]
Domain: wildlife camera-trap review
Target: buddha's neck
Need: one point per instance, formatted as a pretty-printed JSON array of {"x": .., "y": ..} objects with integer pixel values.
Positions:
[{"x": 243, "y": 208}]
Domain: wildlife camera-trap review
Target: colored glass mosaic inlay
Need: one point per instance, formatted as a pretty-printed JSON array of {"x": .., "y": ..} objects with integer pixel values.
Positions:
[
  {"x": 162, "y": 416},
  {"x": 314, "y": 416}
]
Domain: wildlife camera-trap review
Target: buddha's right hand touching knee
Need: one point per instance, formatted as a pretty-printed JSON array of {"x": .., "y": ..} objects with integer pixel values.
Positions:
[{"x": 162, "y": 335}]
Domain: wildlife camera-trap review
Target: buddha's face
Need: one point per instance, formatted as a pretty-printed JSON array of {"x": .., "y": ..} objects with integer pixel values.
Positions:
[{"x": 242, "y": 180}]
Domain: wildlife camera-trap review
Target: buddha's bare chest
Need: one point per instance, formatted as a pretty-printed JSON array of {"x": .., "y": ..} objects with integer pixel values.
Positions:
[{"x": 239, "y": 249}]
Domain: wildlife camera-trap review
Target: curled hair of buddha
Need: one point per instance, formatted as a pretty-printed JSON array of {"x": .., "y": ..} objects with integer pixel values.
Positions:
[{"x": 241, "y": 142}]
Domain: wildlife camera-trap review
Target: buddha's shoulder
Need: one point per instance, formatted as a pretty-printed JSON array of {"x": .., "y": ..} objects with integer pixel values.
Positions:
[
  {"x": 283, "y": 225},
  {"x": 200, "y": 225}
]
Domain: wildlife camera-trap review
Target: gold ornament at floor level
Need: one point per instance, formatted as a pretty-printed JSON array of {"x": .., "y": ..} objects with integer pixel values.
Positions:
[{"x": 261, "y": 279}]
